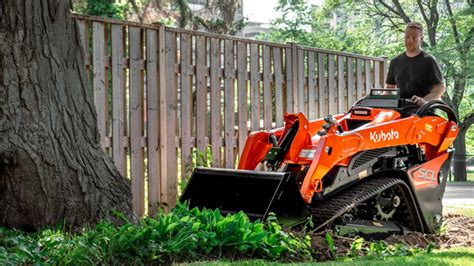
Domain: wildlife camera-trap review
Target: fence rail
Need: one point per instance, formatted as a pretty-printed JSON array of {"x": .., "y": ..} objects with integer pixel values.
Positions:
[{"x": 162, "y": 92}]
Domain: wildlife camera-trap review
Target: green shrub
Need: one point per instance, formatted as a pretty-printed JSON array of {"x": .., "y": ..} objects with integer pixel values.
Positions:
[{"x": 182, "y": 235}]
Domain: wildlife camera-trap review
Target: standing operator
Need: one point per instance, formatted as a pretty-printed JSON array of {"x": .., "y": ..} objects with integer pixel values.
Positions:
[{"x": 415, "y": 72}]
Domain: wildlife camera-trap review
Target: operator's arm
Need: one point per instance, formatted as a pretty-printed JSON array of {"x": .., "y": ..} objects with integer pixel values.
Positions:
[
  {"x": 390, "y": 86},
  {"x": 435, "y": 94}
]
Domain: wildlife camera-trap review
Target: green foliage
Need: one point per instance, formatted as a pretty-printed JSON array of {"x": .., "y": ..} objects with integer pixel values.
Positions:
[
  {"x": 305, "y": 25},
  {"x": 330, "y": 243},
  {"x": 182, "y": 235},
  {"x": 202, "y": 158},
  {"x": 103, "y": 8},
  {"x": 376, "y": 250},
  {"x": 199, "y": 159}
]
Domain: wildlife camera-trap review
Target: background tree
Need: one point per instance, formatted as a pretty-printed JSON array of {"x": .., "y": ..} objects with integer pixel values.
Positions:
[
  {"x": 216, "y": 16},
  {"x": 376, "y": 27},
  {"x": 106, "y": 8},
  {"x": 52, "y": 168}
]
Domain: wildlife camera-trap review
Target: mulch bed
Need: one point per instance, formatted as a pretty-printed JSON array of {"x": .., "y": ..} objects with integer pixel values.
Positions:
[{"x": 459, "y": 233}]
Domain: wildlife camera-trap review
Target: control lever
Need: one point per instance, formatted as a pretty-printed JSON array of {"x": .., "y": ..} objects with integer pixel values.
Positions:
[{"x": 330, "y": 122}]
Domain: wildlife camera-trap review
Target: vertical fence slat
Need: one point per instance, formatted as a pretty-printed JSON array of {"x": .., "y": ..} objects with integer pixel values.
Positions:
[
  {"x": 163, "y": 138},
  {"x": 118, "y": 99},
  {"x": 242, "y": 93},
  {"x": 360, "y": 85},
  {"x": 384, "y": 70},
  {"x": 186, "y": 107},
  {"x": 100, "y": 78},
  {"x": 289, "y": 80},
  {"x": 311, "y": 87},
  {"x": 350, "y": 82},
  {"x": 331, "y": 85},
  {"x": 341, "y": 82},
  {"x": 152, "y": 98},
  {"x": 300, "y": 82},
  {"x": 294, "y": 75},
  {"x": 171, "y": 117},
  {"x": 229, "y": 116},
  {"x": 267, "y": 90},
  {"x": 278, "y": 86},
  {"x": 377, "y": 74},
  {"x": 136, "y": 120},
  {"x": 201, "y": 93},
  {"x": 368, "y": 79},
  {"x": 215, "y": 103},
  {"x": 254, "y": 87},
  {"x": 321, "y": 86}
]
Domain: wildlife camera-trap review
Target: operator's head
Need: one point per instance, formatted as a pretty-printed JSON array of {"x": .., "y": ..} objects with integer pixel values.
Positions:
[{"x": 413, "y": 36}]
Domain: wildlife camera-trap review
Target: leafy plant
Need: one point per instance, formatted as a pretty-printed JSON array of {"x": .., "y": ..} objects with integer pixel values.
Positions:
[
  {"x": 202, "y": 158},
  {"x": 330, "y": 243},
  {"x": 182, "y": 235}
]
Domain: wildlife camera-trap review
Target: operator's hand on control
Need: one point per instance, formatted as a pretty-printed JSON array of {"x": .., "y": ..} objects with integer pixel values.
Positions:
[{"x": 419, "y": 101}]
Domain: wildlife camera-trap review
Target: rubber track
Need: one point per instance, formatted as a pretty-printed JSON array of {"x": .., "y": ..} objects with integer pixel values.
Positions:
[{"x": 330, "y": 209}]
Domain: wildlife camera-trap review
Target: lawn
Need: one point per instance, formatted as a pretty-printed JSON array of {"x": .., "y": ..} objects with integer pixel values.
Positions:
[
  {"x": 466, "y": 210},
  {"x": 454, "y": 256}
]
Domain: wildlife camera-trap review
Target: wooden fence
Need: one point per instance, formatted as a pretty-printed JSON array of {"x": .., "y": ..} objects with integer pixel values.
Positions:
[{"x": 161, "y": 92}]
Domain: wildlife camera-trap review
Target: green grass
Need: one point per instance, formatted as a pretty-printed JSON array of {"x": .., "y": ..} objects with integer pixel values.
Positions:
[
  {"x": 466, "y": 210},
  {"x": 469, "y": 178},
  {"x": 455, "y": 256}
]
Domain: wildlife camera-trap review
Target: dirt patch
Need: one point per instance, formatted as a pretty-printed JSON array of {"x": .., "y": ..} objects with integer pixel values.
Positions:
[{"x": 458, "y": 231}]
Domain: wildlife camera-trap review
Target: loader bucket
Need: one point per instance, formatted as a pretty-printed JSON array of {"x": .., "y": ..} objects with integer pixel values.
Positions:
[{"x": 253, "y": 192}]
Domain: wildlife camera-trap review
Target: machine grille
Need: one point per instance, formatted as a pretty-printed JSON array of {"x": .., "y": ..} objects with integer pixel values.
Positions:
[{"x": 367, "y": 156}]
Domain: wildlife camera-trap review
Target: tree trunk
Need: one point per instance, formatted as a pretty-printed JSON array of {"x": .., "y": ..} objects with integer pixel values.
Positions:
[
  {"x": 459, "y": 156},
  {"x": 52, "y": 168}
]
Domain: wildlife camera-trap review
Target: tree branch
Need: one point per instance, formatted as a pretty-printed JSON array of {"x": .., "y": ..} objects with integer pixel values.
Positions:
[
  {"x": 137, "y": 10},
  {"x": 386, "y": 15},
  {"x": 455, "y": 28},
  {"x": 423, "y": 13},
  {"x": 401, "y": 12},
  {"x": 468, "y": 41},
  {"x": 467, "y": 122}
]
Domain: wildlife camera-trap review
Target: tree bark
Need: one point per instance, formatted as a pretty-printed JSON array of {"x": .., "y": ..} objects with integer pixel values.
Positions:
[
  {"x": 459, "y": 157},
  {"x": 52, "y": 168}
]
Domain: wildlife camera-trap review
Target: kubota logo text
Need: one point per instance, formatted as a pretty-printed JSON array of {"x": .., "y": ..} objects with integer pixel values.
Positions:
[{"x": 383, "y": 136}]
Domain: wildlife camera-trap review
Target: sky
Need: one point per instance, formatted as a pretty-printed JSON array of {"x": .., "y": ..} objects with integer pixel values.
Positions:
[{"x": 264, "y": 10}]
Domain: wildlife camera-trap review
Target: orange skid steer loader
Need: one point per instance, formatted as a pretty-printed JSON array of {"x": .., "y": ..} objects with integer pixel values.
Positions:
[{"x": 381, "y": 168}]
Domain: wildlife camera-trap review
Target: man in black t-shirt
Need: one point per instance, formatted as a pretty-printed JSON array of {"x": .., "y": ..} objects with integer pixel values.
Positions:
[{"x": 415, "y": 72}]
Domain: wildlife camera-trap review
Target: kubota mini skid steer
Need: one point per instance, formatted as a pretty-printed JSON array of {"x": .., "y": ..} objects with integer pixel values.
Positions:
[{"x": 381, "y": 168}]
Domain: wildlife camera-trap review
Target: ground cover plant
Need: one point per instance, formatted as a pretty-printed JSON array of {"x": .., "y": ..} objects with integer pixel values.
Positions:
[{"x": 182, "y": 235}]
